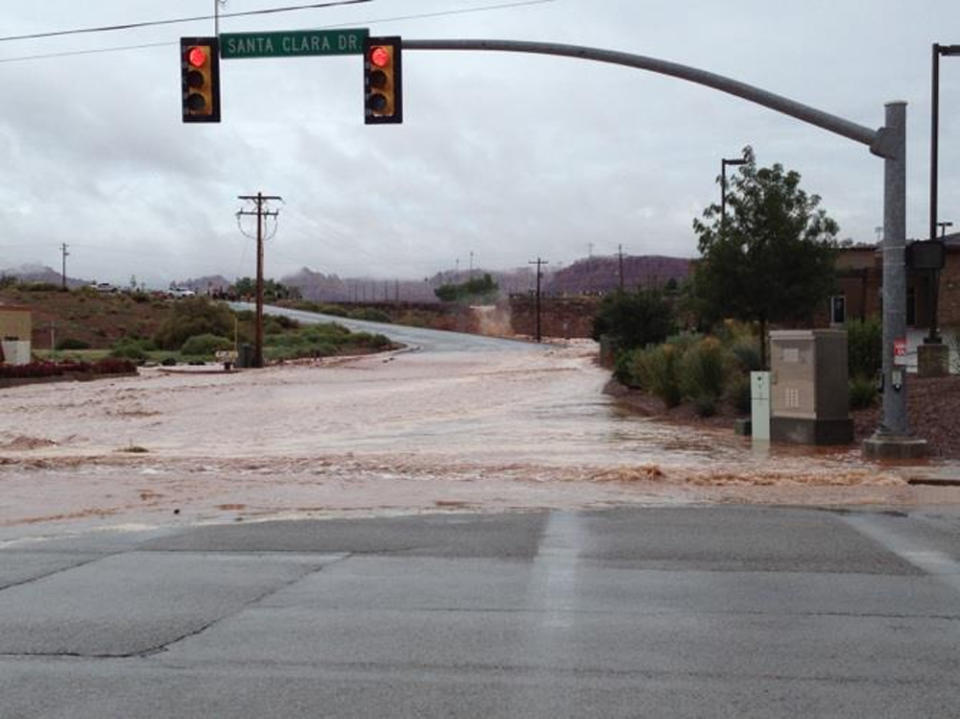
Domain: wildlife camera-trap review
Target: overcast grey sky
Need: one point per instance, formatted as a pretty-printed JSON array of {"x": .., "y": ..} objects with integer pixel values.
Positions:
[{"x": 508, "y": 156}]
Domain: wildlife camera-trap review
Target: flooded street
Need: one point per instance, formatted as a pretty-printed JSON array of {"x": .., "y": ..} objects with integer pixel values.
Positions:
[{"x": 453, "y": 422}]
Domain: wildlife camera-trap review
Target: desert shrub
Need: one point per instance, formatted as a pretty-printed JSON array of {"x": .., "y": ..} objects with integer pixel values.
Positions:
[
  {"x": 657, "y": 369},
  {"x": 623, "y": 368},
  {"x": 286, "y": 323},
  {"x": 370, "y": 314},
  {"x": 38, "y": 287},
  {"x": 129, "y": 348},
  {"x": 863, "y": 392},
  {"x": 332, "y": 310},
  {"x": 738, "y": 392},
  {"x": 168, "y": 361},
  {"x": 704, "y": 370},
  {"x": 193, "y": 316},
  {"x": 864, "y": 346},
  {"x": 205, "y": 344},
  {"x": 705, "y": 406},
  {"x": 746, "y": 350},
  {"x": 70, "y": 343}
]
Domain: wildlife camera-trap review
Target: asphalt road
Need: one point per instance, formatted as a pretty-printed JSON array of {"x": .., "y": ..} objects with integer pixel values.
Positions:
[
  {"x": 663, "y": 612},
  {"x": 414, "y": 337}
]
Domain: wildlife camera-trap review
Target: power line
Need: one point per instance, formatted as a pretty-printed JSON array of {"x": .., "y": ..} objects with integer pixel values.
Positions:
[
  {"x": 368, "y": 21},
  {"x": 174, "y": 21}
]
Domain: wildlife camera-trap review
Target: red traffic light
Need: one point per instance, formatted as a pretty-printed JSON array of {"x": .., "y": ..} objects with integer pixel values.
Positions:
[
  {"x": 382, "y": 82},
  {"x": 379, "y": 56},
  {"x": 197, "y": 56},
  {"x": 200, "y": 79}
]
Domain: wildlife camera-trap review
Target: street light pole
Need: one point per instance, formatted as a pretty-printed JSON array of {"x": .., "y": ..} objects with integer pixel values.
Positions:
[{"x": 938, "y": 50}]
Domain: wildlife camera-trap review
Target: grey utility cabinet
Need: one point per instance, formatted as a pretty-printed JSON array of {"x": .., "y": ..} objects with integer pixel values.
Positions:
[{"x": 809, "y": 394}]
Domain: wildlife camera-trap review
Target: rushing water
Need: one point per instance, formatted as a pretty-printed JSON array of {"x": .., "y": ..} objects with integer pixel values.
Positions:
[{"x": 455, "y": 422}]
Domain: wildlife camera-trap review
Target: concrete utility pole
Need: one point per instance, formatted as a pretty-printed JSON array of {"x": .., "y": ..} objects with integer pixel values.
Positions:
[
  {"x": 538, "y": 262},
  {"x": 892, "y": 438},
  {"x": 63, "y": 266},
  {"x": 260, "y": 200}
]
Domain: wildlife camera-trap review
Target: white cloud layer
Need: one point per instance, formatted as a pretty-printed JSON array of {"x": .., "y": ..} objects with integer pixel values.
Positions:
[{"x": 507, "y": 156}]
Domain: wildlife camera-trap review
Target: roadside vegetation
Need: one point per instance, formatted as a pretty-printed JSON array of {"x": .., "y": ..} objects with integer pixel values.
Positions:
[
  {"x": 476, "y": 290},
  {"x": 86, "y": 327},
  {"x": 769, "y": 261}
]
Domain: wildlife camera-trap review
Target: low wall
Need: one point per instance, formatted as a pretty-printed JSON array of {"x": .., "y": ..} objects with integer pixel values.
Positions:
[{"x": 559, "y": 316}]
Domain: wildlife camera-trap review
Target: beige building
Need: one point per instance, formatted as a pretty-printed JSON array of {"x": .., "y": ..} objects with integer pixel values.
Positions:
[{"x": 15, "y": 329}]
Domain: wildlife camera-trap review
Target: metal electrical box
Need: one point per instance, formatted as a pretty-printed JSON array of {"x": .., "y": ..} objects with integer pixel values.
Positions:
[
  {"x": 760, "y": 405},
  {"x": 809, "y": 391}
]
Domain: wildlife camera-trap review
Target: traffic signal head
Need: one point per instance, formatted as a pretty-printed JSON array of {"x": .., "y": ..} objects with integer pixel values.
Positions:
[
  {"x": 382, "y": 88},
  {"x": 200, "y": 79}
]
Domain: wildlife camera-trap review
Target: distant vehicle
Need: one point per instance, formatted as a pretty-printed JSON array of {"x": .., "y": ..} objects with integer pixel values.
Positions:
[
  {"x": 181, "y": 292},
  {"x": 104, "y": 287}
]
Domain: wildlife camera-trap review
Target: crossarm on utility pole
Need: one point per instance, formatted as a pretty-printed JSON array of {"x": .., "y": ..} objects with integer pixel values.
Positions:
[{"x": 865, "y": 135}]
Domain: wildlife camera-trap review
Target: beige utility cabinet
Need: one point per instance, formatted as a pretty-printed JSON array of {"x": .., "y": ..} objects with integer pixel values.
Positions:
[{"x": 809, "y": 391}]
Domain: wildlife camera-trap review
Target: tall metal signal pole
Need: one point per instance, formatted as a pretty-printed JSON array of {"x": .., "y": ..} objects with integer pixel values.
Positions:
[
  {"x": 538, "y": 262},
  {"x": 260, "y": 200}
]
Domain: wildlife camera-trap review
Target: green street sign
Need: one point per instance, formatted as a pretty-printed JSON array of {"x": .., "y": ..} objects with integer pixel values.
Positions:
[{"x": 292, "y": 43}]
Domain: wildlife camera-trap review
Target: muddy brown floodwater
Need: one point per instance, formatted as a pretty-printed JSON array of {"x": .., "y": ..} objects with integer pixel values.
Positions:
[{"x": 407, "y": 432}]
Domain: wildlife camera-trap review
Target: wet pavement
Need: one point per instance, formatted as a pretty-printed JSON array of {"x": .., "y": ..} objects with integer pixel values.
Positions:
[{"x": 658, "y": 611}]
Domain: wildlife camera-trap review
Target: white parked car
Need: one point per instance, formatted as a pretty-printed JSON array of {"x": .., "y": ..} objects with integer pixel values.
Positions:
[{"x": 181, "y": 292}]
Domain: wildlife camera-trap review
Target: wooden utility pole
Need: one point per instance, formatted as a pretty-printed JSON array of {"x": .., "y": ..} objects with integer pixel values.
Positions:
[
  {"x": 63, "y": 270},
  {"x": 260, "y": 200},
  {"x": 538, "y": 262}
]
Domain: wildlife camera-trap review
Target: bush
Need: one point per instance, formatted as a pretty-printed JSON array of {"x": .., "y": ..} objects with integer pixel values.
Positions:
[
  {"x": 864, "y": 347},
  {"x": 704, "y": 370},
  {"x": 634, "y": 320},
  {"x": 370, "y": 314},
  {"x": 705, "y": 406},
  {"x": 129, "y": 348},
  {"x": 863, "y": 392},
  {"x": 205, "y": 345},
  {"x": 332, "y": 310},
  {"x": 623, "y": 368},
  {"x": 69, "y": 343},
  {"x": 738, "y": 391},
  {"x": 747, "y": 353},
  {"x": 193, "y": 316},
  {"x": 38, "y": 287},
  {"x": 168, "y": 361},
  {"x": 658, "y": 370}
]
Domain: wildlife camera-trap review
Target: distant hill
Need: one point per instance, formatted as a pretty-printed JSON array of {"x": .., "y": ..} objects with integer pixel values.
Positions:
[
  {"x": 602, "y": 274},
  {"x": 40, "y": 273}
]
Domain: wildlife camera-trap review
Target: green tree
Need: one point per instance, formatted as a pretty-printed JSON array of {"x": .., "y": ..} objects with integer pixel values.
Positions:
[
  {"x": 634, "y": 319},
  {"x": 772, "y": 259},
  {"x": 482, "y": 289},
  {"x": 272, "y": 290}
]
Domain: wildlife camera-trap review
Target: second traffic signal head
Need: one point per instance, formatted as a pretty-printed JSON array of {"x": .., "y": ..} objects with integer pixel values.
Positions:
[
  {"x": 382, "y": 87},
  {"x": 200, "y": 79}
]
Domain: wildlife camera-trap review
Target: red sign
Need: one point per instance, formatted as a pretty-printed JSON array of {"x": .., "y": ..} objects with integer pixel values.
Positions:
[{"x": 900, "y": 351}]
